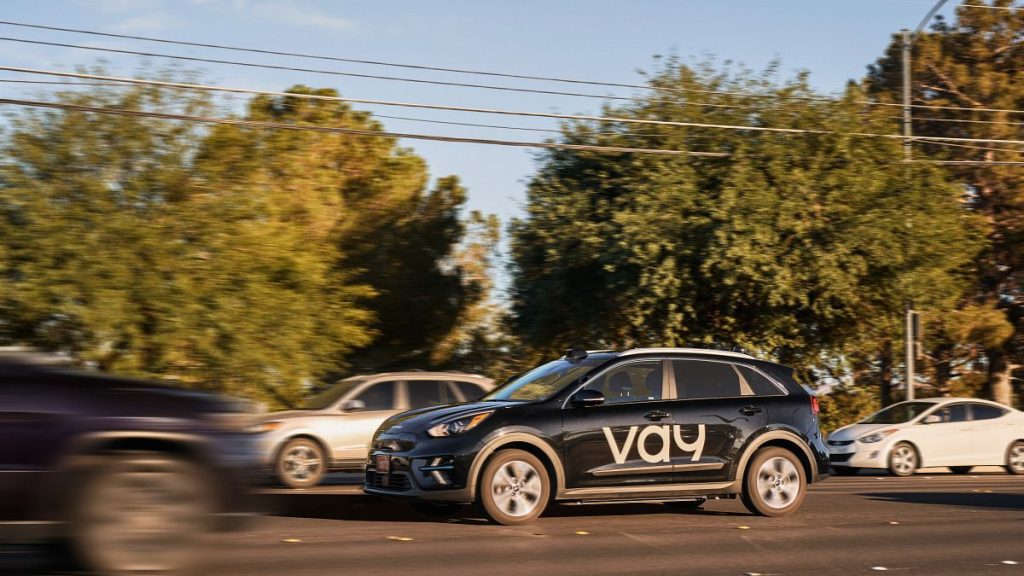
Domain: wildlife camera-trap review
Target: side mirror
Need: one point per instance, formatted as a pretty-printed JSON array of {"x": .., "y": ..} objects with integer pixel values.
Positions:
[
  {"x": 585, "y": 398},
  {"x": 932, "y": 419},
  {"x": 353, "y": 406}
]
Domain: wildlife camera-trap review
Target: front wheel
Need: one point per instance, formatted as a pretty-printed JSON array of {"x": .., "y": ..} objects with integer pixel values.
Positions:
[
  {"x": 903, "y": 460},
  {"x": 143, "y": 513},
  {"x": 1015, "y": 458},
  {"x": 300, "y": 464},
  {"x": 514, "y": 488},
  {"x": 775, "y": 483}
]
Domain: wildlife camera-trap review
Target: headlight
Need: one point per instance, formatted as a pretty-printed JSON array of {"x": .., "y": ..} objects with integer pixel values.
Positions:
[
  {"x": 263, "y": 427},
  {"x": 876, "y": 436},
  {"x": 458, "y": 425}
]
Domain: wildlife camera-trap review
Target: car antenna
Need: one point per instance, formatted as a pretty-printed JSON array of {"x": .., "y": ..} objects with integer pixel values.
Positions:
[{"x": 575, "y": 354}]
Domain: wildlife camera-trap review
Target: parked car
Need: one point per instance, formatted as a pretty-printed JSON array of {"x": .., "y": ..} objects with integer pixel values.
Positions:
[
  {"x": 672, "y": 425},
  {"x": 133, "y": 475},
  {"x": 958, "y": 433},
  {"x": 332, "y": 430}
]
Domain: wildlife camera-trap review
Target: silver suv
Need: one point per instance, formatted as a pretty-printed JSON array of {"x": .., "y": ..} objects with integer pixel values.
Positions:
[{"x": 332, "y": 430}]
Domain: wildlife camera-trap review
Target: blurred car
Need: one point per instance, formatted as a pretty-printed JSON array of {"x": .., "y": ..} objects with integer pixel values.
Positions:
[
  {"x": 332, "y": 430},
  {"x": 957, "y": 433},
  {"x": 133, "y": 475},
  {"x": 672, "y": 425}
]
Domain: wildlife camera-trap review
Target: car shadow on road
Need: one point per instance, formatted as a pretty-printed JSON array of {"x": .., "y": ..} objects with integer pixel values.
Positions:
[
  {"x": 993, "y": 500},
  {"x": 355, "y": 507}
]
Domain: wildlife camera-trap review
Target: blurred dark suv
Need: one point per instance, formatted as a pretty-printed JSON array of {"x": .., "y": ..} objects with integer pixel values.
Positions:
[{"x": 133, "y": 476}]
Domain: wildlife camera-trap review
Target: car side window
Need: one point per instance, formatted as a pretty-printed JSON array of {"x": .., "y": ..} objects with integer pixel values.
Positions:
[
  {"x": 953, "y": 413},
  {"x": 757, "y": 384},
  {"x": 697, "y": 379},
  {"x": 426, "y": 393},
  {"x": 986, "y": 412},
  {"x": 379, "y": 396},
  {"x": 470, "y": 391},
  {"x": 630, "y": 382}
]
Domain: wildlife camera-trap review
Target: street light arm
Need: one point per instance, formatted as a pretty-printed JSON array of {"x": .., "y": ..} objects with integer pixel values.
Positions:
[{"x": 927, "y": 19}]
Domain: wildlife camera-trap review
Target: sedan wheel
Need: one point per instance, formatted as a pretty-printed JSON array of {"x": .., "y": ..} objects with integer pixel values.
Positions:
[
  {"x": 903, "y": 460},
  {"x": 514, "y": 488},
  {"x": 1015, "y": 458},
  {"x": 300, "y": 464}
]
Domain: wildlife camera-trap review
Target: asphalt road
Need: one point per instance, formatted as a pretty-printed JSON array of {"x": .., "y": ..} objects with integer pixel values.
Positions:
[{"x": 927, "y": 524}]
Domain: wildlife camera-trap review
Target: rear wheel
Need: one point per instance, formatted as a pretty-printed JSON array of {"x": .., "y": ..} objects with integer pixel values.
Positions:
[
  {"x": 775, "y": 483},
  {"x": 1015, "y": 458},
  {"x": 300, "y": 464},
  {"x": 960, "y": 469},
  {"x": 514, "y": 488},
  {"x": 142, "y": 513},
  {"x": 903, "y": 460}
]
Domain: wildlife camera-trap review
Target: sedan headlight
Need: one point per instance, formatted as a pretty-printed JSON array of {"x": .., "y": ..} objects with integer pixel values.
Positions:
[
  {"x": 876, "y": 436},
  {"x": 458, "y": 425}
]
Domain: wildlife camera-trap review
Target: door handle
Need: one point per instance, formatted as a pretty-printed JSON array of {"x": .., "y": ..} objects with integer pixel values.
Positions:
[
  {"x": 656, "y": 415},
  {"x": 750, "y": 410}
]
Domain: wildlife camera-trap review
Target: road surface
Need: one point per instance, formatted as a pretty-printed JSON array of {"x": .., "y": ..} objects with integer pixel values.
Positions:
[{"x": 927, "y": 524}]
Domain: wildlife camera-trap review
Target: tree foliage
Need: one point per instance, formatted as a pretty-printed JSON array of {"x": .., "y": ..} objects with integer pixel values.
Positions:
[{"x": 802, "y": 246}]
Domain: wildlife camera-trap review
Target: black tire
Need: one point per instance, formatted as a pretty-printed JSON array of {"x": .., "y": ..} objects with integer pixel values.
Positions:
[
  {"x": 684, "y": 505},
  {"x": 845, "y": 471},
  {"x": 904, "y": 460},
  {"x": 300, "y": 463},
  {"x": 435, "y": 509},
  {"x": 514, "y": 488},
  {"x": 163, "y": 503},
  {"x": 1015, "y": 458},
  {"x": 960, "y": 469},
  {"x": 774, "y": 483}
]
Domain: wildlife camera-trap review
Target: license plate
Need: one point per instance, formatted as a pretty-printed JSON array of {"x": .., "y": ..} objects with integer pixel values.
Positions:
[{"x": 382, "y": 463}]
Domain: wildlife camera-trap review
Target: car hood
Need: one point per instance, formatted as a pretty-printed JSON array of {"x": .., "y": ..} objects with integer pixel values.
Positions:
[
  {"x": 854, "y": 431},
  {"x": 423, "y": 418}
]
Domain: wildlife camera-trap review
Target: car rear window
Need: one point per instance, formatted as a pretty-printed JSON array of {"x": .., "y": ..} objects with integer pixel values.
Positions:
[
  {"x": 986, "y": 411},
  {"x": 702, "y": 379}
]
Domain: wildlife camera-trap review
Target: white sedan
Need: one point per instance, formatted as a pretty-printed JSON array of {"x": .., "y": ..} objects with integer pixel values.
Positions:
[{"x": 957, "y": 433}]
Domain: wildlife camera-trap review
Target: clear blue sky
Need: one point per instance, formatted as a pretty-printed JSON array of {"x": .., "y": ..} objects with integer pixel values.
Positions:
[{"x": 601, "y": 40}]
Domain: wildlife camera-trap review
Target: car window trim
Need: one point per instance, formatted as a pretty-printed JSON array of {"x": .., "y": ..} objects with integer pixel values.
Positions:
[{"x": 782, "y": 389}]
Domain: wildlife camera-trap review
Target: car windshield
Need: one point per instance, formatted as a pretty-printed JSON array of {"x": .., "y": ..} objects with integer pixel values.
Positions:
[
  {"x": 543, "y": 381},
  {"x": 328, "y": 397},
  {"x": 898, "y": 413}
]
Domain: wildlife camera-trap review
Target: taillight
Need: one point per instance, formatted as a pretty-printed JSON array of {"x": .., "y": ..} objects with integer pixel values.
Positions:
[{"x": 814, "y": 404}]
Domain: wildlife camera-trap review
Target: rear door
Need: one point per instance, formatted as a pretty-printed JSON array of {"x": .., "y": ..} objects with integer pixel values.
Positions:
[
  {"x": 628, "y": 440},
  {"x": 720, "y": 405},
  {"x": 990, "y": 430}
]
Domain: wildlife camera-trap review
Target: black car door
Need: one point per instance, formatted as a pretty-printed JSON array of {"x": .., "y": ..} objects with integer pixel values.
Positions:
[
  {"x": 628, "y": 440},
  {"x": 719, "y": 407}
]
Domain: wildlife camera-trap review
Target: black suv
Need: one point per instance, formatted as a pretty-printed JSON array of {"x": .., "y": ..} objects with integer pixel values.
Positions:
[
  {"x": 674, "y": 425},
  {"x": 132, "y": 474}
]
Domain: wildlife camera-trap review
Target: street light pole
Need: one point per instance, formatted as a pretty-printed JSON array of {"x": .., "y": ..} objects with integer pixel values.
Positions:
[{"x": 908, "y": 134}]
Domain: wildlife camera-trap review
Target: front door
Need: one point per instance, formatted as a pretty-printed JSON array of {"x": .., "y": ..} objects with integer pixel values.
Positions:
[
  {"x": 630, "y": 440},
  {"x": 352, "y": 430}
]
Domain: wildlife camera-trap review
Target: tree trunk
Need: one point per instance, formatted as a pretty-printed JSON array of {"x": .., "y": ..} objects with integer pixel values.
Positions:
[
  {"x": 885, "y": 374},
  {"x": 999, "y": 386}
]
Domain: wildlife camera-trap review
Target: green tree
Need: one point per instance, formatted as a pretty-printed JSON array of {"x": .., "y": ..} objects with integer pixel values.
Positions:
[
  {"x": 127, "y": 246},
  {"x": 975, "y": 63},
  {"x": 802, "y": 246}
]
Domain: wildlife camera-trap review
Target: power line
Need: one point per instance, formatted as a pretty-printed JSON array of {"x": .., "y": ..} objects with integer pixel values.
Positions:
[
  {"x": 431, "y": 68},
  {"x": 969, "y": 162},
  {"x": 986, "y": 148},
  {"x": 612, "y": 119},
  {"x": 353, "y": 131}
]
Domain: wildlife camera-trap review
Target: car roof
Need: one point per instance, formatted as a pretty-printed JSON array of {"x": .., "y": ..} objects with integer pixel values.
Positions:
[
  {"x": 414, "y": 374},
  {"x": 940, "y": 401}
]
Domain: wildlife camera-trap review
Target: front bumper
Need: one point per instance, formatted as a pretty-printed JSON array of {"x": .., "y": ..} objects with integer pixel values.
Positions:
[
  {"x": 858, "y": 455},
  {"x": 436, "y": 477}
]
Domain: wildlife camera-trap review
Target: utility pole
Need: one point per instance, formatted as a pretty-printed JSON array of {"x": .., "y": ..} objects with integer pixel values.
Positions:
[{"x": 913, "y": 328}]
